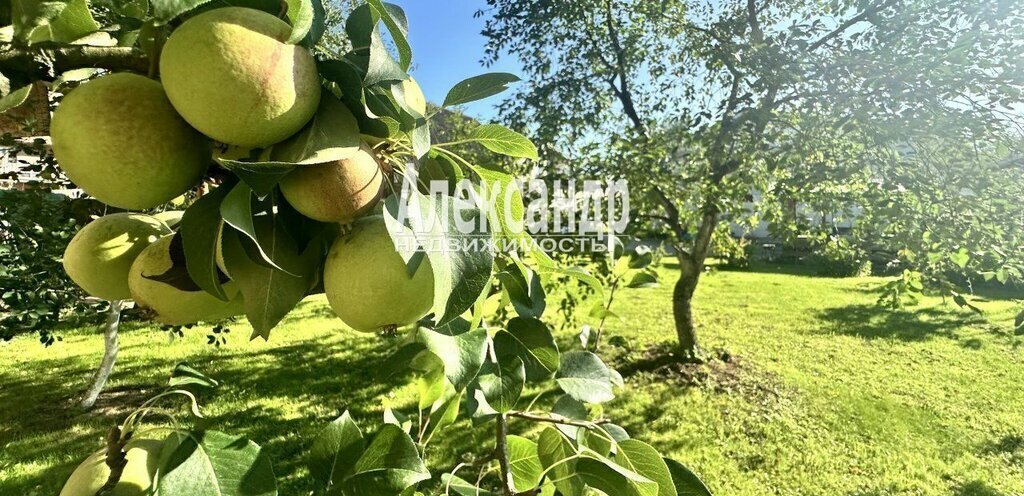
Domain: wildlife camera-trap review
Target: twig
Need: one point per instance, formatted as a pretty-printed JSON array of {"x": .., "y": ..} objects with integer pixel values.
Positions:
[
  {"x": 558, "y": 420},
  {"x": 501, "y": 451}
]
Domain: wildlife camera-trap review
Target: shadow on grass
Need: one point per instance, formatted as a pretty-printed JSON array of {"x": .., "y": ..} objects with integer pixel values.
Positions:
[
  {"x": 975, "y": 488},
  {"x": 876, "y": 322},
  {"x": 1010, "y": 448},
  {"x": 279, "y": 397}
]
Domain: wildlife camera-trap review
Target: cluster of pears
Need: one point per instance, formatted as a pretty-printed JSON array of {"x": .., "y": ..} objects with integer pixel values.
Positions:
[{"x": 227, "y": 76}]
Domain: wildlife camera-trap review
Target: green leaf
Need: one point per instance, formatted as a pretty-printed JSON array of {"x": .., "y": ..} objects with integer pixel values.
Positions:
[
  {"x": 15, "y": 98},
  {"x": 530, "y": 340},
  {"x": 200, "y": 230},
  {"x": 686, "y": 482},
  {"x": 237, "y": 212},
  {"x": 478, "y": 88},
  {"x": 335, "y": 451},
  {"x": 262, "y": 177},
  {"x": 960, "y": 258},
  {"x": 463, "y": 355},
  {"x": 505, "y": 208},
  {"x": 165, "y": 11},
  {"x": 185, "y": 375},
  {"x": 568, "y": 407},
  {"x": 500, "y": 139},
  {"x": 59, "y": 21},
  {"x": 391, "y": 464},
  {"x": 302, "y": 15},
  {"x": 643, "y": 280},
  {"x": 585, "y": 377},
  {"x": 554, "y": 450},
  {"x": 528, "y": 298},
  {"x": 332, "y": 135},
  {"x": 268, "y": 293},
  {"x": 454, "y": 485},
  {"x": 643, "y": 459},
  {"x": 398, "y": 26},
  {"x": 502, "y": 383},
  {"x": 212, "y": 463},
  {"x": 443, "y": 413},
  {"x": 524, "y": 462},
  {"x": 605, "y": 475}
]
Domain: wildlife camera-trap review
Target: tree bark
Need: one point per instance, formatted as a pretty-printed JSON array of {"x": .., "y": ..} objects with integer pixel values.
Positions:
[
  {"x": 110, "y": 348},
  {"x": 682, "y": 309},
  {"x": 46, "y": 63}
]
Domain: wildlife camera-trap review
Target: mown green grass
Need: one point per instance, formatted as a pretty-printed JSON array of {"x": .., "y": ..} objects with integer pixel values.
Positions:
[{"x": 827, "y": 394}]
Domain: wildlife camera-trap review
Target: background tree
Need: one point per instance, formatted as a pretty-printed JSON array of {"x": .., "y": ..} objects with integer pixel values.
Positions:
[{"x": 699, "y": 103}]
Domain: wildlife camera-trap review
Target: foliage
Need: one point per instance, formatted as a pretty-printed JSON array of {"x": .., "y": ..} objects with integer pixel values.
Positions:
[
  {"x": 946, "y": 210},
  {"x": 838, "y": 257},
  {"x": 37, "y": 295}
]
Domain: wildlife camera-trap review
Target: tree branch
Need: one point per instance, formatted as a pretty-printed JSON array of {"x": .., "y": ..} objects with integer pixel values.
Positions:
[
  {"x": 45, "y": 63},
  {"x": 557, "y": 420},
  {"x": 850, "y": 23},
  {"x": 501, "y": 452}
]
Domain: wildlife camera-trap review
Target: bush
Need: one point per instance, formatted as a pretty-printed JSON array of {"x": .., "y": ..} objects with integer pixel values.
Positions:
[{"x": 839, "y": 258}]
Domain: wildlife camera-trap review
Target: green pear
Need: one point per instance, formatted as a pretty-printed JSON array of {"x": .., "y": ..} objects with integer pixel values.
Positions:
[
  {"x": 143, "y": 456},
  {"x": 120, "y": 140},
  {"x": 99, "y": 257},
  {"x": 368, "y": 284},
  {"x": 231, "y": 74},
  {"x": 170, "y": 305},
  {"x": 338, "y": 192}
]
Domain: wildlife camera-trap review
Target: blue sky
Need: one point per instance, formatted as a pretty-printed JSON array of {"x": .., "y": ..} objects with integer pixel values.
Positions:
[{"x": 447, "y": 48}]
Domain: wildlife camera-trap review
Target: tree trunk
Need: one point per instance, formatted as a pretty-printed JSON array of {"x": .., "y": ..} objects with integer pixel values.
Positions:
[
  {"x": 109, "y": 355},
  {"x": 682, "y": 309},
  {"x": 691, "y": 266}
]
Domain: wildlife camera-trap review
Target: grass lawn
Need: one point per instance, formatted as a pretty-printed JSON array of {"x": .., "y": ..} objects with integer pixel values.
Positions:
[{"x": 826, "y": 395}]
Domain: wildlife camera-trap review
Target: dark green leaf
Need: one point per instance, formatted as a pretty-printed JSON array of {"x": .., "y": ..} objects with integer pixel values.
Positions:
[
  {"x": 453, "y": 485},
  {"x": 200, "y": 230},
  {"x": 335, "y": 451},
  {"x": 391, "y": 464},
  {"x": 502, "y": 383},
  {"x": 269, "y": 293},
  {"x": 585, "y": 377},
  {"x": 398, "y": 26},
  {"x": 212, "y": 463},
  {"x": 643, "y": 459},
  {"x": 686, "y": 482},
  {"x": 463, "y": 355},
  {"x": 165, "y": 11},
  {"x": 460, "y": 276},
  {"x": 611, "y": 478},
  {"x": 554, "y": 450},
  {"x": 532, "y": 341},
  {"x": 185, "y": 375}
]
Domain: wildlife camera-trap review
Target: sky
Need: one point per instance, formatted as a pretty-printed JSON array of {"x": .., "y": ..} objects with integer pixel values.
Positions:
[{"x": 447, "y": 47}]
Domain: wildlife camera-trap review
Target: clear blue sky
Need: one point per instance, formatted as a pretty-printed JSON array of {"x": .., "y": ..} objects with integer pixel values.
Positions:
[{"x": 447, "y": 48}]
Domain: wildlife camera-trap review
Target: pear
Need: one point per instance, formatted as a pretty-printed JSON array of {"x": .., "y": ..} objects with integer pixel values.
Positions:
[
  {"x": 120, "y": 140},
  {"x": 231, "y": 74},
  {"x": 368, "y": 284}
]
